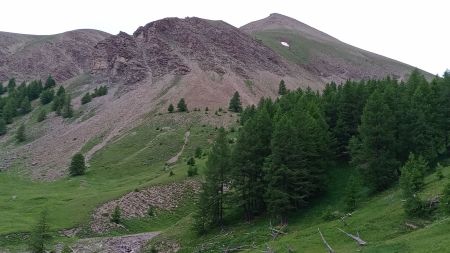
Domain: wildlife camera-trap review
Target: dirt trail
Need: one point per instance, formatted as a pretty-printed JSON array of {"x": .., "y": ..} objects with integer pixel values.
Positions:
[
  {"x": 118, "y": 244},
  {"x": 174, "y": 159}
]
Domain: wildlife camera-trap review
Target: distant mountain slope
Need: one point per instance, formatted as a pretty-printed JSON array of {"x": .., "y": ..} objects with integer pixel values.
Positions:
[
  {"x": 63, "y": 55},
  {"x": 321, "y": 54}
]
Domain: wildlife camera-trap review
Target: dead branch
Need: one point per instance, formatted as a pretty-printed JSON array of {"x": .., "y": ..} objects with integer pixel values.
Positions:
[
  {"x": 358, "y": 239},
  {"x": 330, "y": 250},
  {"x": 410, "y": 225}
]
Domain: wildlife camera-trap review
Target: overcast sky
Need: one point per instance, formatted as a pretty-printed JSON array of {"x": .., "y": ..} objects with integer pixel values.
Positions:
[{"x": 414, "y": 32}]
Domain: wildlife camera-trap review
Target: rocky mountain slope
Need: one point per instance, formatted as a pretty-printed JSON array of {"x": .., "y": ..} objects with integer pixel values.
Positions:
[
  {"x": 200, "y": 60},
  {"x": 63, "y": 55}
]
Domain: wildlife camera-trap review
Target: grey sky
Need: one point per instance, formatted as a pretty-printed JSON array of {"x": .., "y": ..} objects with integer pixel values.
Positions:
[{"x": 414, "y": 32}]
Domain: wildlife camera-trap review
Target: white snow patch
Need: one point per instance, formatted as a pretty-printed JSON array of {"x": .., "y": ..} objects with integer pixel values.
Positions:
[{"x": 284, "y": 44}]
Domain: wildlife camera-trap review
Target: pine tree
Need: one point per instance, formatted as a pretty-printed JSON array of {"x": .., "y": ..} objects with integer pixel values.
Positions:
[
  {"x": 20, "y": 134},
  {"x": 2, "y": 127},
  {"x": 42, "y": 115},
  {"x": 373, "y": 151},
  {"x": 67, "y": 111},
  {"x": 282, "y": 90},
  {"x": 25, "y": 106},
  {"x": 235, "y": 103},
  {"x": 2, "y": 89},
  {"x": 412, "y": 178},
  {"x": 181, "y": 106},
  {"x": 11, "y": 85},
  {"x": 248, "y": 157},
  {"x": 191, "y": 161},
  {"x": 351, "y": 194},
  {"x": 198, "y": 152},
  {"x": 50, "y": 82},
  {"x": 170, "y": 109},
  {"x": 77, "y": 166},
  {"x": 40, "y": 235},
  {"x": 439, "y": 173},
  {"x": 9, "y": 110},
  {"x": 86, "y": 98},
  {"x": 47, "y": 96},
  {"x": 212, "y": 196}
]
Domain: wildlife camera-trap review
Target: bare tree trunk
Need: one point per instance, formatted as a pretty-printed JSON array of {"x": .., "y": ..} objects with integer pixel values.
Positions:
[
  {"x": 330, "y": 250},
  {"x": 358, "y": 239}
]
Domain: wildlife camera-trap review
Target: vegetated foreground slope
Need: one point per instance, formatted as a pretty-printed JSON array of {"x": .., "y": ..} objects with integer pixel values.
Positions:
[
  {"x": 63, "y": 55},
  {"x": 320, "y": 54}
]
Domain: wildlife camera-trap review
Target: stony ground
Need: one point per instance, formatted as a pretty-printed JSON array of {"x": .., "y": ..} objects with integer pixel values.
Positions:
[
  {"x": 136, "y": 204},
  {"x": 119, "y": 244}
]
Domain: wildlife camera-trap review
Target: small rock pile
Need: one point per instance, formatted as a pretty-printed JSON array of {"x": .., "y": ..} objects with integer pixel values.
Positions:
[{"x": 136, "y": 204}]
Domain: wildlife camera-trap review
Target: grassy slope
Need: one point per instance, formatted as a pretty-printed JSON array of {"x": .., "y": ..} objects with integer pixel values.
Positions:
[
  {"x": 136, "y": 160},
  {"x": 379, "y": 220}
]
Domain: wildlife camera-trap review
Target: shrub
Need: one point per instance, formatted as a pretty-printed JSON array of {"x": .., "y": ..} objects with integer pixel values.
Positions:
[
  {"x": 86, "y": 98},
  {"x": 116, "y": 215},
  {"x": 198, "y": 152}
]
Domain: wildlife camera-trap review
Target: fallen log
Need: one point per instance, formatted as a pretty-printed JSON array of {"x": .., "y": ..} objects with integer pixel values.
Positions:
[
  {"x": 357, "y": 238},
  {"x": 330, "y": 250},
  {"x": 410, "y": 225}
]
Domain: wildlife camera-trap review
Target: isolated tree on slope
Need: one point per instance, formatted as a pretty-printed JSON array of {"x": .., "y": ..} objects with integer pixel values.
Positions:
[
  {"x": 50, "y": 83},
  {"x": 170, "y": 109},
  {"x": 181, "y": 106},
  {"x": 235, "y": 103},
  {"x": 77, "y": 166},
  {"x": 282, "y": 90}
]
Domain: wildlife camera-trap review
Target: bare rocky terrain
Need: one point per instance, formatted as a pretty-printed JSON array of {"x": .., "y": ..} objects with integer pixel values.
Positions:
[{"x": 64, "y": 56}]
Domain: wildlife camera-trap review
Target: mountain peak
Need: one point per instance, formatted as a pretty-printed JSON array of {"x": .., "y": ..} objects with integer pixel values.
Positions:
[{"x": 276, "y": 21}]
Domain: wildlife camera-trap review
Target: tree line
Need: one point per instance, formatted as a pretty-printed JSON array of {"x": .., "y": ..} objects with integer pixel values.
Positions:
[{"x": 278, "y": 162}]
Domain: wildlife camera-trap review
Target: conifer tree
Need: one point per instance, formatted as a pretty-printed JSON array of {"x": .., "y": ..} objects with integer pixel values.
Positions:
[
  {"x": 77, "y": 165},
  {"x": 9, "y": 110},
  {"x": 445, "y": 202},
  {"x": 170, "y": 109},
  {"x": 11, "y": 85},
  {"x": 50, "y": 82},
  {"x": 2, "y": 89},
  {"x": 235, "y": 103},
  {"x": 212, "y": 196},
  {"x": 67, "y": 111},
  {"x": 181, "y": 106},
  {"x": 47, "y": 96},
  {"x": 351, "y": 194},
  {"x": 373, "y": 151},
  {"x": 40, "y": 235},
  {"x": 2, "y": 127},
  {"x": 25, "y": 106},
  {"x": 412, "y": 178},
  {"x": 282, "y": 90},
  {"x": 20, "y": 134},
  {"x": 248, "y": 157}
]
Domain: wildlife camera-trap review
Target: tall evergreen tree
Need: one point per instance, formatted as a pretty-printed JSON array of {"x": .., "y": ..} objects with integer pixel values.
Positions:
[
  {"x": 373, "y": 151},
  {"x": 181, "y": 106},
  {"x": 47, "y": 96},
  {"x": 251, "y": 149},
  {"x": 282, "y": 90},
  {"x": 25, "y": 106},
  {"x": 235, "y": 103},
  {"x": 11, "y": 85},
  {"x": 67, "y": 111},
  {"x": 50, "y": 82},
  {"x": 412, "y": 178},
  {"x": 40, "y": 235},
  {"x": 212, "y": 196},
  {"x": 9, "y": 110}
]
